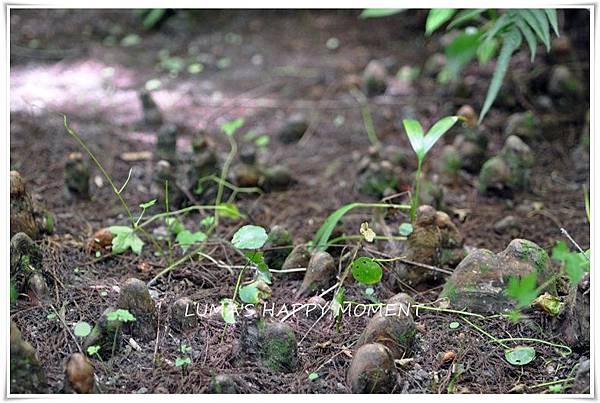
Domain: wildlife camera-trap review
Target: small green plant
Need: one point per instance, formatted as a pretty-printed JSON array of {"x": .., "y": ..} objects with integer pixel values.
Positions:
[
  {"x": 248, "y": 239},
  {"x": 185, "y": 360},
  {"x": 421, "y": 144},
  {"x": 94, "y": 351},
  {"x": 120, "y": 316}
]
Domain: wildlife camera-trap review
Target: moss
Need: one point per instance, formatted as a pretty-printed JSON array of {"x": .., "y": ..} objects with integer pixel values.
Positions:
[{"x": 279, "y": 348}]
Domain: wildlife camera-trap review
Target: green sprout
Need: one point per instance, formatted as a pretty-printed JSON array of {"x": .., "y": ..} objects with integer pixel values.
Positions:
[{"x": 421, "y": 144}]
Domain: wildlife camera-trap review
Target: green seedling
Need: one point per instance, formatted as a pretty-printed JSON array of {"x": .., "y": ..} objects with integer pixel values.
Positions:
[
  {"x": 421, "y": 144},
  {"x": 82, "y": 329},
  {"x": 94, "y": 351},
  {"x": 121, "y": 316}
]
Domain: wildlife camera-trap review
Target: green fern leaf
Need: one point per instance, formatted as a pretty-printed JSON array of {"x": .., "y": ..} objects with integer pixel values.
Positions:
[
  {"x": 512, "y": 41},
  {"x": 551, "y": 14},
  {"x": 501, "y": 23},
  {"x": 534, "y": 22},
  {"x": 529, "y": 36}
]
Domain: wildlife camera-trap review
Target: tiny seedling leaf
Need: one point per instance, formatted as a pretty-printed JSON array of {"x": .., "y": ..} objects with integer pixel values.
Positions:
[
  {"x": 186, "y": 238},
  {"x": 436, "y": 131},
  {"x": 520, "y": 355},
  {"x": 414, "y": 131},
  {"x": 125, "y": 238},
  {"x": 366, "y": 271},
  {"x": 148, "y": 204},
  {"x": 229, "y": 210},
  {"x": 255, "y": 292},
  {"x": 228, "y": 308},
  {"x": 82, "y": 329},
  {"x": 122, "y": 315},
  {"x": 249, "y": 237},
  {"x": 232, "y": 126},
  {"x": 92, "y": 350},
  {"x": 405, "y": 229},
  {"x": 313, "y": 376},
  {"x": 183, "y": 361},
  {"x": 454, "y": 325}
]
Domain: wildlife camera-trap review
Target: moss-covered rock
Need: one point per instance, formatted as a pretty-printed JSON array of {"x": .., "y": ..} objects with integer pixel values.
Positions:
[
  {"x": 77, "y": 177},
  {"x": 222, "y": 384},
  {"x": 278, "y": 247},
  {"x": 135, "y": 298},
  {"x": 479, "y": 282},
  {"x": 278, "y": 347},
  {"x": 372, "y": 370},
  {"x": 26, "y": 373},
  {"x": 25, "y": 258},
  {"x": 320, "y": 274}
]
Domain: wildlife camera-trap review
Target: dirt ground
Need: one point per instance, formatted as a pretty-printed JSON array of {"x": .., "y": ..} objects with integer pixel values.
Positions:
[{"x": 281, "y": 66}]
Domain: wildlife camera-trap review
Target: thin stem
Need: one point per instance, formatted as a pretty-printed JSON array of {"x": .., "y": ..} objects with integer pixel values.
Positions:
[
  {"x": 541, "y": 385},
  {"x": 82, "y": 143},
  {"x": 494, "y": 339},
  {"x": 177, "y": 212},
  {"x": 224, "y": 171},
  {"x": 168, "y": 226},
  {"x": 415, "y": 199}
]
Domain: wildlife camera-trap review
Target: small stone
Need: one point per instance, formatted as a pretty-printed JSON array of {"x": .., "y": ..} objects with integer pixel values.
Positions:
[
  {"x": 134, "y": 297},
  {"x": 183, "y": 315},
  {"x": 478, "y": 284},
  {"x": 21, "y": 208},
  {"x": 298, "y": 258},
  {"x": 375, "y": 177},
  {"x": 471, "y": 146},
  {"x": 101, "y": 240},
  {"x": 372, "y": 370},
  {"x": 374, "y": 78},
  {"x": 278, "y": 247},
  {"x": 509, "y": 170},
  {"x": 26, "y": 373},
  {"x": 563, "y": 83},
  {"x": 277, "y": 178},
  {"x": 525, "y": 125},
  {"x": 222, "y": 384},
  {"x": 152, "y": 116},
  {"x": 38, "y": 289},
  {"x": 317, "y": 305},
  {"x": 396, "y": 332},
  {"x": 293, "y": 129},
  {"x": 508, "y": 224},
  {"x": 77, "y": 177},
  {"x": 278, "y": 347},
  {"x": 581, "y": 385},
  {"x": 25, "y": 258},
  {"x": 246, "y": 175},
  {"x": 166, "y": 143},
  {"x": 79, "y": 375},
  {"x": 320, "y": 274},
  {"x": 448, "y": 356}
]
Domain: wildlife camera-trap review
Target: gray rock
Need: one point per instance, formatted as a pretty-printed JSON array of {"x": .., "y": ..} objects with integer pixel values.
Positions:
[
  {"x": 563, "y": 83},
  {"x": 320, "y": 274},
  {"x": 508, "y": 224},
  {"x": 293, "y": 129},
  {"x": 581, "y": 385},
  {"x": 166, "y": 143},
  {"x": 396, "y": 332},
  {"x": 276, "y": 178},
  {"x": 134, "y": 297},
  {"x": 372, "y": 370},
  {"x": 222, "y": 384},
  {"x": 374, "y": 78},
  {"x": 509, "y": 170},
  {"x": 106, "y": 334},
  {"x": 183, "y": 315},
  {"x": 479, "y": 282}
]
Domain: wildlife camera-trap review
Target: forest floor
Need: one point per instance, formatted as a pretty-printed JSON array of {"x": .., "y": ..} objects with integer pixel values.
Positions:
[{"x": 270, "y": 64}]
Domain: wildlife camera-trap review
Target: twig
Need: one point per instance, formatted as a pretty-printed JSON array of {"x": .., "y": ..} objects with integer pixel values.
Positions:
[{"x": 565, "y": 233}]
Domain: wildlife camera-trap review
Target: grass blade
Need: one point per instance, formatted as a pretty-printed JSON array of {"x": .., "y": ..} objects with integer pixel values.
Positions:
[
  {"x": 512, "y": 41},
  {"x": 379, "y": 12}
]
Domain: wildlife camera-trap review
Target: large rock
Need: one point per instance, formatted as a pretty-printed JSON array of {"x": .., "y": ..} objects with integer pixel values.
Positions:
[
  {"x": 479, "y": 282},
  {"x": 26, "y": 372}
]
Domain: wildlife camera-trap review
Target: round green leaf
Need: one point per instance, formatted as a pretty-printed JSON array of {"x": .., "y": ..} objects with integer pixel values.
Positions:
[
  {"x": 454, "y": 325},
  {"x": 405, "y": 229},
  {"x": 366, "y": 271},
  {"x": 520, "y": 355},
  {"x": 82, "y": 329},
  {"x": 249, "y": 237},
  {"x": 313, "y": 376}
]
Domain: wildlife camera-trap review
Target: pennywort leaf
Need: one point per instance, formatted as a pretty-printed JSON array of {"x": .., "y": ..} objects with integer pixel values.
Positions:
[
  {"x": 249, "y": 237},
  {"x": 366, "y": 271},
  {"x": 125, "y": 238},
  {"x": 82, "y": 329}
]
